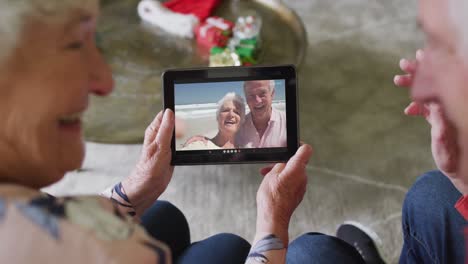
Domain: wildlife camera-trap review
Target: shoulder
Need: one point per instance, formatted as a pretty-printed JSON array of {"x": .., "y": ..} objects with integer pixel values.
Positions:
[
  {"x": 63, "y": 228},
  {"x": 200, "y": 144}
]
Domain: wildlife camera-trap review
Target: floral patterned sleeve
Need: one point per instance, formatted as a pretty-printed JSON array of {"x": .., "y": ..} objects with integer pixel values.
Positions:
[
  {"x": 40, "y": 228},
  {"x": 118, "y": 197}
]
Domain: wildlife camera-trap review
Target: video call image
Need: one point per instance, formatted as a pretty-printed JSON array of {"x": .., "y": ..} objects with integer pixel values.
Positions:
[{"x": 231, "y": 115}]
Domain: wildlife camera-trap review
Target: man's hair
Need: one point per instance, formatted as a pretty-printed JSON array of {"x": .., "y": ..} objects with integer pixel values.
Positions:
[
  {"x": 238, "y": 101},
  {"x": 271, "y": 86},
  {"x": 458, "y": 12},
  {"x": 14, "y": 15}
]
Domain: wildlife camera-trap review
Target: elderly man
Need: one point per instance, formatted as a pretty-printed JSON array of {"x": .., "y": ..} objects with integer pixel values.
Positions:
[
  {"x": 435, "y": 211},
  {"x": 264, "y": 126}
]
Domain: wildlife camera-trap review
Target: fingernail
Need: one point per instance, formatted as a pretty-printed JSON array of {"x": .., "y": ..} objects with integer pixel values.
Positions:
[
  {"x": 404, "y": 63},
  {"x": 419, "y": 54}
]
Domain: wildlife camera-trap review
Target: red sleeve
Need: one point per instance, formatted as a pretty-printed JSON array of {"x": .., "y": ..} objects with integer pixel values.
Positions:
[{"x": 462, "y": 206}]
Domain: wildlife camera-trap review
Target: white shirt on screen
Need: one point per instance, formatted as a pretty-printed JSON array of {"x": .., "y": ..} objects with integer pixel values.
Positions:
[{"x": 274, "y": 136}]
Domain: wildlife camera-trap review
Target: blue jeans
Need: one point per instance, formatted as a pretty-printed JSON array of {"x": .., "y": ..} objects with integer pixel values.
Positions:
[
  {"x": 164, "y": 222},
  {"x": 432, "y": 227}
]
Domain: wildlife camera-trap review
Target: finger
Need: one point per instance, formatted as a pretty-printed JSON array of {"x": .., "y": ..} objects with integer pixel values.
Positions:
[
  {"x": 416, "y": 109},
  {"x": 298, "y": 162},
  {"x": 403, "y": 80},
  {"x": 265, "y": 170},
  {"x": 408, "y": 66},
  {"x": 164, "y": 136},
  {"x": 153, "y": 128}
]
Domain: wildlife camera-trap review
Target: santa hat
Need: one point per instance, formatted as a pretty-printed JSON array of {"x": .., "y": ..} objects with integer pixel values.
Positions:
[{"x": 178, "y": 17}]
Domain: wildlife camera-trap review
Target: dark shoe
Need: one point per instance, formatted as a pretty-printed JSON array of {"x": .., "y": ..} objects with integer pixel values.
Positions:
[{"x": 360, "y": 238}]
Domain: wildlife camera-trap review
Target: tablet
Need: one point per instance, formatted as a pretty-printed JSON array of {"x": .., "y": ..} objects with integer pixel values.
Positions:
[{"x": 233, "y": 114}]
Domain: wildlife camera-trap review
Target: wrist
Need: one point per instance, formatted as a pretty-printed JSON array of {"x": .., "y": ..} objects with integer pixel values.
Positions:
[
  {"x": 138, "y": 197},
  {"x": 272, "y": 227}
]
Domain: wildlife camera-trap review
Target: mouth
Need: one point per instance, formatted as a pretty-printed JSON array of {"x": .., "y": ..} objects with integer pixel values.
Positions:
[
  {"x": 230, "y": 122},
  {"x": 71, "y": 122},
  {"x": 259, "y": 108}
]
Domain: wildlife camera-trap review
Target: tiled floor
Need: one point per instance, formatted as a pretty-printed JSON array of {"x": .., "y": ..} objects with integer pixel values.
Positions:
[{"x": 367, "y": 153}]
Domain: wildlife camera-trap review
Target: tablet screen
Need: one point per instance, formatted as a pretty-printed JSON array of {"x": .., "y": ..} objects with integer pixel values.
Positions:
[{"x": 231, "y": 115}]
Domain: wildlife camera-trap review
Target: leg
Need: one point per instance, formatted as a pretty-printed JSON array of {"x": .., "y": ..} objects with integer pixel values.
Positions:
[
  {"x": 222, "y": 248},
  {"x": 164, "y": 222},
  {"x": 319, "y": 248},
  {"x": 432, "y": 227}
]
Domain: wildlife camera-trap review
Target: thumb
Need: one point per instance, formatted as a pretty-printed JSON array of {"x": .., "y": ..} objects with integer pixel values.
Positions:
[{"x": 298, "y": 162}]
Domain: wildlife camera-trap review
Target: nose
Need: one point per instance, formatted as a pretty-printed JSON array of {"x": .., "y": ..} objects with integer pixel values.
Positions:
[
  {"x": 258, "y": 99},
  {"x": 101, "y": 81}
]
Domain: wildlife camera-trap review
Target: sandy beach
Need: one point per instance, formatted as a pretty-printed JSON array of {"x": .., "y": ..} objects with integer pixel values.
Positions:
[{"x": 204, "y": 126}]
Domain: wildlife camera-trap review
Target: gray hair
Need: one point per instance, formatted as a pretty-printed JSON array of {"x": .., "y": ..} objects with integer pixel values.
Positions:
[
  {"x": 458, "y": 13},
  {"x": 271, "y": 86},
  {"x": 237, "y": 99},
  {"x": 14, "y": 14}
]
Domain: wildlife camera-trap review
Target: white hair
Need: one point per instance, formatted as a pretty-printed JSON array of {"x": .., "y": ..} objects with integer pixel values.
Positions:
[
  {"x": 458, "y": 13},
  {"x": 14, "y": 14},
  {"x": 271, "y": 86},
  {"x": 237, "y": 99}
]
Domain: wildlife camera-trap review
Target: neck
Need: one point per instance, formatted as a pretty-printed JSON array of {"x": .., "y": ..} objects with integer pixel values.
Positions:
[
  {"x": 261, "y": 124},
  {"x": 224, "y": 141}
]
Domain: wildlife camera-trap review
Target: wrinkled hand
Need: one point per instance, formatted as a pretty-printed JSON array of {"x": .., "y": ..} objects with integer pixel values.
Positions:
[
  {"x": 443, "y": 134},
  {"x": 281, "y": 192},
  {"x": 153, "y": 171}
]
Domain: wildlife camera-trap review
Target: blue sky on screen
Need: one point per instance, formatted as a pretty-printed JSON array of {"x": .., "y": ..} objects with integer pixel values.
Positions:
[{"x": 202, "y": 93}]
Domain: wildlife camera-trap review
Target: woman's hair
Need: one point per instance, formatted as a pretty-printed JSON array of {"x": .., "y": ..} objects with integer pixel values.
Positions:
[
  {"x": 238, "y": 101},
  {"x": 458, "y": 13},
  {"x": 14, "y": 14}
]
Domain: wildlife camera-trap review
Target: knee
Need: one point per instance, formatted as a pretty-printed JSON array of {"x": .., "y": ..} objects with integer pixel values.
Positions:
[
  {"x": 164, "y": 208},
  {"x": 432, "y": 189},
  {"x": 320, "y": 248},
  {"x": 430, "y": 198},
  {"x": 222, "y": 248},
  {"x": 228, "y": 239}
]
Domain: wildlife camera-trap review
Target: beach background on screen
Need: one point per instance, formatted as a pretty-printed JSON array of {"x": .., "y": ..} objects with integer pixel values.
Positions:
[{"x": 196, "y": 105}]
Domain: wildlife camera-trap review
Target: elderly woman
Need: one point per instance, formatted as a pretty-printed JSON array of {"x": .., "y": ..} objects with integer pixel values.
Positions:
[
  {"x": 230, "y": 116},
  {"x": 49, "y": 66}
]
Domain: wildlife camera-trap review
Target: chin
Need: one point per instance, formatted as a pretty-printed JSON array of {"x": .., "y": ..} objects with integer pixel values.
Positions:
[{"x": 71, "y": 158}]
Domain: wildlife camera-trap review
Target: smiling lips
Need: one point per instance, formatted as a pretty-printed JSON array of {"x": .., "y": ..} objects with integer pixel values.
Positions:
[
  {"x": 259, "y": 108},
  {"x": 71, "y": 122},
  {"x": 230, "y": 122}
]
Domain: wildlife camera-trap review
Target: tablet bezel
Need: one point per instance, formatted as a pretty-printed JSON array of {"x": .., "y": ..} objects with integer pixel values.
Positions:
[{"x": 228, "y": 74}]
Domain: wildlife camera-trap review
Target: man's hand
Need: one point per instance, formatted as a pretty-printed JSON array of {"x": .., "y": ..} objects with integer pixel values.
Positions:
[
  {"x": 153, "y": 171},
  {"x": 443, "y": 133},
  {"x": 280, "y": 192}
]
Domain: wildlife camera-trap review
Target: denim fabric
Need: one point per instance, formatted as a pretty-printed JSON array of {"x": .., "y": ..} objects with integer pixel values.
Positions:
[
  {"x": 167, "y": 224},
  {"x": 321, "y": 249},
  {"x": 432, "y": 227},
  {"x": 164, "y": 222}
]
